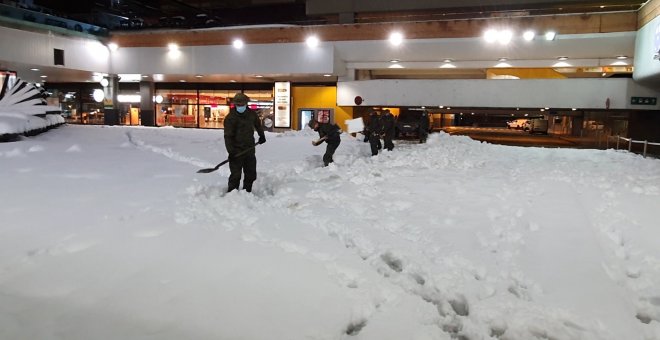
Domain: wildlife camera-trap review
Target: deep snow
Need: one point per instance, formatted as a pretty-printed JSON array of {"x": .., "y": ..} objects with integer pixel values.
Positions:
[{"x": 108, "y": 233}]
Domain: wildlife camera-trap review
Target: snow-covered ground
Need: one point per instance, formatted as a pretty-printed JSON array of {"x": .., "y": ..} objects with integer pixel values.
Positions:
[{"x": 109, "y": 233}]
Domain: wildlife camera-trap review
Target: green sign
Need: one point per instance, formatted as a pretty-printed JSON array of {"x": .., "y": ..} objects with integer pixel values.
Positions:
[{"x": 643, "y": 100}]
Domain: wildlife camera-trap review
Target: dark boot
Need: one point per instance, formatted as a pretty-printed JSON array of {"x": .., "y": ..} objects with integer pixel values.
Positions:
[{"x": 247, "y": 187}]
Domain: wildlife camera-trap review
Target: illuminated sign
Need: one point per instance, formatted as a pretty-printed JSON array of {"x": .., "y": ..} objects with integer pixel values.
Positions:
[
  {"x": 128, "y": 98},
  {"x": 282, "y": 105},
  {"x": 259, "y": 105},
  {"x": 643, "y": 100}
]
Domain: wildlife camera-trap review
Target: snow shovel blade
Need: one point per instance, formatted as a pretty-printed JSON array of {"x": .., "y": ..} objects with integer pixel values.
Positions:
[{"x": 207, "y": 170}]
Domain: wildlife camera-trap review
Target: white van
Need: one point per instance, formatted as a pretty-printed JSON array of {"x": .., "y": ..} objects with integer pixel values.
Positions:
[
  {"x": 538, "y": 126},
  {"x": 520, "y": 123}
]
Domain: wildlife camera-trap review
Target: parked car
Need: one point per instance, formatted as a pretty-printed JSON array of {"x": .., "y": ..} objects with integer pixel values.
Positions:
[
  {"x": 520, "y": 124},
  {"x": 407, "y": 123}
]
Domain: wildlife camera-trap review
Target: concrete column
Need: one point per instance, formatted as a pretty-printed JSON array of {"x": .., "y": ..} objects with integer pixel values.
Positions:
[
  {"x": 350, "y": 75},
  {"x": 147, "y": 105},
  {"x": 110, "y": 105},
  {"x": 110, "y": 90}
]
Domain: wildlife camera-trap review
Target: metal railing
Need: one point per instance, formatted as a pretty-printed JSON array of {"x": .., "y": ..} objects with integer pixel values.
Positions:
[
  {"x": 630, "y": 142},
  {"x": 33, "y": 18}
]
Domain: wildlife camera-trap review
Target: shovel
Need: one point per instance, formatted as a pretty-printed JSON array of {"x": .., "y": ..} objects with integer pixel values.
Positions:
[{"x": 208, "y": 170}]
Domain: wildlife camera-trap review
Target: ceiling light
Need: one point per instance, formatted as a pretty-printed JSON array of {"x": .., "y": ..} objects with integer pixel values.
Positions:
[
  {"x": 447, "y": 65},
  {"x": 34, "y": 69},
  {"x": 396, "y": 38},
  {"x": 259, "y": 76},
  {"x": 394, "y": 61},
  {"x": 104, "y": 82},
  {"x": 562, "y": 64},
  {"x": 529, "y": 35},
  {"x": 622, "y": 57},
  {"x": 574, "y": 109},
  {"x": 327, "y": 75},
  {"x": 502, "y": 59},
  {"x": 312, "y": 41},
  {"x": 128, "y": 77},
  {"x": 199, "y": 76},
  {"x": 602, "y": 6},
  {"x": 490, "y": 35},
  {"x": 550, "y": 35},
  {"x": 447, "y": 61},
  {"x": 232, "y": 81},
  {"x": 396, "y": 66},
  {"x": 172, "y": 47},
  {"x": 113, "y": 46},
  {"x": 44, "y": 76},
  {"x": 238, "y": 43},
  {"x": 562, "y": 58},
  {"x": 145, "y": 76},
  {"x": 182, "y": 81}
]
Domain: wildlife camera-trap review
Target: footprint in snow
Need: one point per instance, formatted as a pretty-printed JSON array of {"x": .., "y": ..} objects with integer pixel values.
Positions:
[{"x": 393, "y": 262}]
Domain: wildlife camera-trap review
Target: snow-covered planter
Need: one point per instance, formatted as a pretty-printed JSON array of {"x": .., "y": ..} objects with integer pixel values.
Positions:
[{"x": 23, "y": 110}]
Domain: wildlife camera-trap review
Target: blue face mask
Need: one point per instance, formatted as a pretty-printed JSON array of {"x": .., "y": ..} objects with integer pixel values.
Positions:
[{"x": 241, "y": 109}]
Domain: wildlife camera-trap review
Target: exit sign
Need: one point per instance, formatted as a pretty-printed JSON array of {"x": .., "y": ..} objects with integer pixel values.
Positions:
[{"x": 643, "y": 100}]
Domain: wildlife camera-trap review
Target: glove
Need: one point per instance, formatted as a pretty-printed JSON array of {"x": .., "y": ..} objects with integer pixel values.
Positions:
[
  {"x": 262, "y": 139},
  {"x": 366, "y": 138}
]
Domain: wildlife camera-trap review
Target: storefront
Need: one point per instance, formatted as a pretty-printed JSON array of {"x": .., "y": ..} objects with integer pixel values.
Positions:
[
  {"x": 76, "y": 102},
  {"x": 206, "y": 108},
  {"x": 200, "y": 105}
]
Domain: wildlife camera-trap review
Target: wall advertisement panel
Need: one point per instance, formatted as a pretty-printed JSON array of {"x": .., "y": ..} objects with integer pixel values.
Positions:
[{"x": 282, "y": 105}]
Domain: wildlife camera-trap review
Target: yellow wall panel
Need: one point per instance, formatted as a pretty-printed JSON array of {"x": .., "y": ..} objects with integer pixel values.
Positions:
[{"x": 318, "y": 97}]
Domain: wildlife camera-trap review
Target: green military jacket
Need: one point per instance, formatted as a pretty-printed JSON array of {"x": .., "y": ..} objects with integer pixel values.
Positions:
[{"x": 239, "y": 131}]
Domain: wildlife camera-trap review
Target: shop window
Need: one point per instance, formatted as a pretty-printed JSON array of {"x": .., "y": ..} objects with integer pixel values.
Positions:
[{"x": 206, "y": 108}]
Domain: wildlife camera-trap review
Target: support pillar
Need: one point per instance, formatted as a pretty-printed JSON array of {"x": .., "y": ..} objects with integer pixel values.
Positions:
[
  {"x": 110, "y": 105},
  {"x": 147, "y": 105}
]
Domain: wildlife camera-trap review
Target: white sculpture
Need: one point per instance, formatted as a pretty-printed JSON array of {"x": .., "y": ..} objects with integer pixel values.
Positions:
[{"x": 23, "y": 109}]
